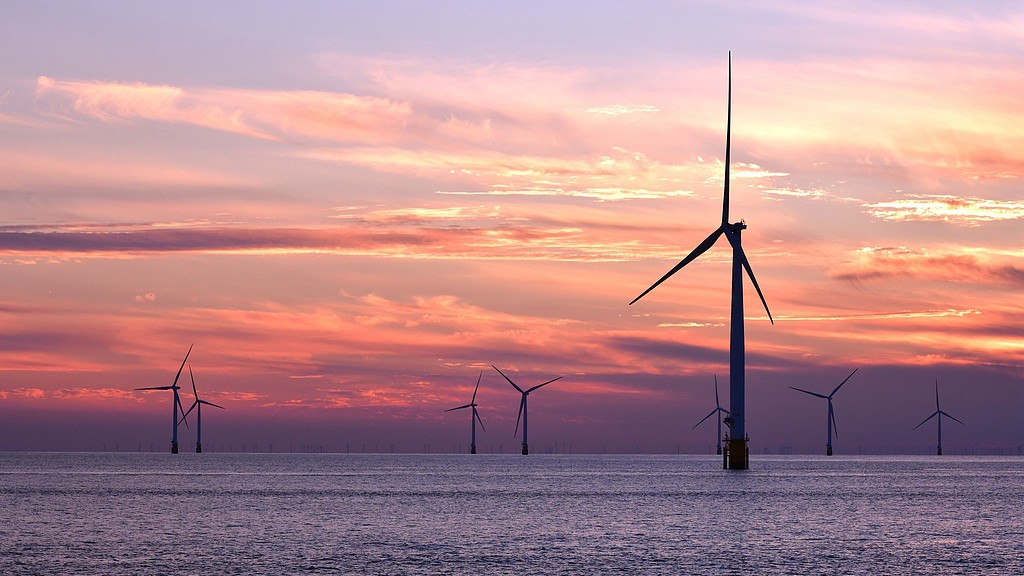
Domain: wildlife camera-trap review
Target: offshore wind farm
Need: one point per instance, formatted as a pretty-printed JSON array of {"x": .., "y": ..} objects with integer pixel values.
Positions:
[
  {"x": 351, "y": 209},
  {"x": 310, "y": 230}
]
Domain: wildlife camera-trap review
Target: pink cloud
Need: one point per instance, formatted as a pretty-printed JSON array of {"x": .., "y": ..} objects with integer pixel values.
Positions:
[
  {"x": 959, "y": 266},
  {"x": 95, "y": 394}
]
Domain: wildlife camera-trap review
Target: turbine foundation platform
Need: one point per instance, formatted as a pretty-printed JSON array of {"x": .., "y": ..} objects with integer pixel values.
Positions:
[
  {"x": 526, "y": 449},
  {"x": 472, "y": 448},
  {"x": 828, "y": 450},
  {"x": 736, "y": 455},
  {"x": 939, "y": 451},
  {"x": 199, "y": 448},
  {"x": 174, "y": 447}
]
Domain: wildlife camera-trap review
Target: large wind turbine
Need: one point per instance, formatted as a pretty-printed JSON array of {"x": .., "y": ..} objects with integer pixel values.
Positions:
[
  {"x": 737, "y": 458},
  {"x": 831, "y": 415},
  {"x": 718, "y": 409},
  {"x": 474, "y": 417},
  {"x": 177, "y": 403},
  {"x": 938, "y": 412},
  {"x": 198, "y": 405},
  {"x": 522, "y": 405}
]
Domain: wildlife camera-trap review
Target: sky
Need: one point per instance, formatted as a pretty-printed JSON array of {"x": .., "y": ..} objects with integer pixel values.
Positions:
[{"x": 352, "y": 211}]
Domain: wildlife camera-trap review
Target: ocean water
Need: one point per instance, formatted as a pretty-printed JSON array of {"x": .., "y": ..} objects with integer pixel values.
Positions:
[{"x": 131, "y": 513}]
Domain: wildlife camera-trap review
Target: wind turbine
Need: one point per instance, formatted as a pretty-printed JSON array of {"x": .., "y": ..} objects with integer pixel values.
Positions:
[
  {"x": 938, "y": 412},
  {"x": 831, "y": 415},
  {"x": 737, "y": 446},
  {"x": 522, "y": 405},
  {"x": 718, "y": 408},
  {"x": 474, "y": 417},
  {"x": 177, "y": 403},
  {"x": 198, "y": 405}
]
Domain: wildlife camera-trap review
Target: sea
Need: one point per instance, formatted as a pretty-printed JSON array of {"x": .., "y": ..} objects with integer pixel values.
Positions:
[{"x": 219, "y": 513}]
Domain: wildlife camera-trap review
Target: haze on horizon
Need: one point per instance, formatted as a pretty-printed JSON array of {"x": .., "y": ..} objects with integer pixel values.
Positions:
[{"x": 351, "y": 210}]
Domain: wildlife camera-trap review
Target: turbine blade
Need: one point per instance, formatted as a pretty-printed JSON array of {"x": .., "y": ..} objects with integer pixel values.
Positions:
[
  {"x": 212, "y": 404},
  {"x": 843, "y": 382},
  {"x": 477, "y": 416},
  {"x": 182, "y": 365},
  {"x": 190, "y": 408},
  {"x": 544, "y": 384},
  {"x": 717, "y": 403},
  {"x": 459, "y": 407},
  {"x": 507, "y": 378},
  {"x": 712, "y": 413},
  {"x": 700, "y": 249},
  {"x": 835, "y": 429},
  {"x": 728, "y": 146},
  {"x": 948, "y": 416},
  {"x": 809, "y": 392},
  {"x": 521, "y": 404},
  {"x": 194, "y": 393},
  {"x": 181, "y": 408},
  {"x": 936, "y": 394},
  {"x": 934, "y": 414},
  {"x": 156, "y": 388},
  {"x": 734, "y": 240},
  {"x": 477, "y": 386}
]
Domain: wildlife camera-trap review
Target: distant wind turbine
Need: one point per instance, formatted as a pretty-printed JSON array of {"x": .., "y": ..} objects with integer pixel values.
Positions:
[
  {"x": 474, "y": 417},
  {"x": 718, "y": 409},
  {"x": 831, "y": 415},
  {"x": 176, "y": 407},
  {"x": 737, "y": 446},
  {"x": 198, "y": 406},
  {"x": 522, "y": 405},
  {"x": 938, "y": 412}
]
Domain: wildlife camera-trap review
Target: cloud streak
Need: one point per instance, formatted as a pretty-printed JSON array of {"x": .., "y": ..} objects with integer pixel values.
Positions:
[
  {"x": 880, "y": 263},
  {"x": 965, "y": 211}
]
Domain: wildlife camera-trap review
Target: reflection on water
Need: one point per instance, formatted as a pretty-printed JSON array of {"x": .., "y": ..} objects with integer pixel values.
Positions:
[{"x": 508, "y": 514}]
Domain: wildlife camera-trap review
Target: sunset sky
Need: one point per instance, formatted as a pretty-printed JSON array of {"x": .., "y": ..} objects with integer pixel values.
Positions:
[{"x": 352, "y": 209}]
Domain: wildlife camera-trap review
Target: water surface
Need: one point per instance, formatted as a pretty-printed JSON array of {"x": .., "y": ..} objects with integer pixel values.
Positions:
[{"x": 108, "y": 513}]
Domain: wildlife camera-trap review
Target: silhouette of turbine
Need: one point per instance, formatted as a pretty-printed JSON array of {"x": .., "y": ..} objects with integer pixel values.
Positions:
[
  {"x": 718, "y": 409},
  {"x": 198, "y": 405},
  {"x": 474, "y": 417},
  {"x": 831, "y": 414},
  {"x": 938, "y": 414},
  {"x": 176, "y": 405},
  {"x": 522, "y": 405},
  {"x": 737, "y": 446}
]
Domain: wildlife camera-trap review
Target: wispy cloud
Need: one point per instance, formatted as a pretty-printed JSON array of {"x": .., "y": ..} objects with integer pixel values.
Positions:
[
  {"x": 95, "y": 394},
  {"x": 620, "y": 109},
  {"x": 879, "y": 316},
  {"x": 875, "y": 263},
  {"x": 965, "y": 211},
  {"x": 433, "y": 233}
]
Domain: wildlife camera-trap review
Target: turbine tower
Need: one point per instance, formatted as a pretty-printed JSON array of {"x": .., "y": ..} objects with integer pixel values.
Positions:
[
  {"x": 474, "y": 417},
  {"x": 938, "y": 412},
  {"x": 831, "y": 419},
  {"x": 198, "y": 405},
  {"x": 522, "y": 406},
  {"x": 737, "y": 445},
  {"x": 718, "y": 409},
  {"x": 176, "y": 406}
]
